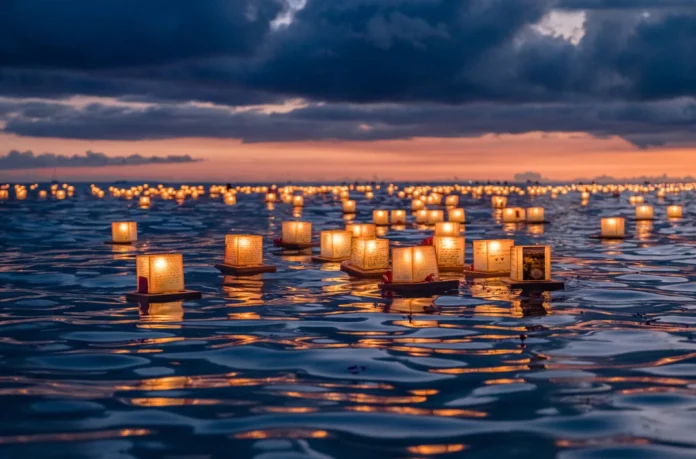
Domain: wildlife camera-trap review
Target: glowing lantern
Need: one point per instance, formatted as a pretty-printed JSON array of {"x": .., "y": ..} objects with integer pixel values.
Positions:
[
  {"x": 162, "y": 273},
  {"x": 336, "y": 244},
  {"x": 421, "y": 216},
  {"x": 674, "y": 212},
  {"x": 43, "y": 194},
  {"x": 4, "y": 194},
  {"x": 270, "y": 197},
  {"x": 21, "y": 194},
  {"x": 417, "y": 204},
  {"x": 585, "y": 195},
  {"x": 498, "y": 202},
  {"x": 447, "y": 229},
  {"x": 452, "y": 200},
  {"x": 450, "y": 251},
  {"x": 60, "y": 194},
  {"x": 492, "y": 255},
  {"x": 398, "y": 217},
  {"x": 230, "y": 199},
  {"x": 124, "y": 232},
  {"x": 456, "y": 215},
  {"x": 435, "y": 216},
  {"x": 349, "y": 207},
  {"x": 660, "y": 193},
  {"x": 243, "y": 250},
  {"x": 144, "y": 201},
  {"x": 414, "y": 264},
  {"x": 636, "y": 200},
  {"x": 644, "y": 212},
  {"x": 297, "y": 233},
  {"x": 380, "y": 217},
  {"x": 513, "y": 215},
  {"x": 535, "y": 215},
  {"x": 298, "y": 201},
  {"x": 362, "y": 230},
  {"x": 530, "y": 263},
  {"x": 369, "y": 195},
  {"x": 612, "y": 227},
  {"x": 370, "y": 254}
]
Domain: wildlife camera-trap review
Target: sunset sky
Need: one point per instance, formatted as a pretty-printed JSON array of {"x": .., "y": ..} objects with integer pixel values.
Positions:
[{"x": 315, "y": 90}]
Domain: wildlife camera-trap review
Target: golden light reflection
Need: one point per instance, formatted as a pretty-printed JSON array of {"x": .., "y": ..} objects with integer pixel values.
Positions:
[{"x": 429, "y": 450}]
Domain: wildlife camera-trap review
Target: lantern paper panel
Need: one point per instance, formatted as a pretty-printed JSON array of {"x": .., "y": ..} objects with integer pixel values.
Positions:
[
  {"x": 530, "y": 263},
  {"x": 456, "y": 215},
  {"x": 367, "y": 230},
  {"x": 124, "y": 231},
  {"x": 674, "y": 212},
  {"x": 243, "y": 250},
  {"x": 447, "y": 229},
  {"x": 380, "y": 217},
  {"x": 450, "y": 251},
  {"x": 613, "y": 227},
  {"x": 414, "y": 264},
  {"x": 535, "y": 214},
  {"x": 336, "y": 244},
  {"x": 369, "y": 254},
  {"x": 398, "y": 217},
  {"x": 492, "y": 255},
  {"x": 644, "y": 212},
  {"x": 435, "y": 216},
  {"x": 162, "y": 273},
  {"x": 297, "y": 232},
  {"x": 513, "y": 215}
]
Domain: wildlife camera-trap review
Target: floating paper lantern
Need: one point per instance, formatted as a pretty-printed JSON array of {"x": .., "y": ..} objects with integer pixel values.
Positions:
[
  {"x": 298, "y": 201},
  {"x": 336, "y": 244},
  {"x": 398, "y": 217},
  {"x": 380, "y": 217},
  {"x": 297, "y": 233},
  {"x": 369, "y": 254},
  {"x": 43, "y": 194},
  {"x": 417, "y": 204},
  {"x": 535, "y": 215},
  {"x": 530, "y": 263},
  {"x": 513, "y": 215},
  {"x": 60, "y": 194},
  {"x": 674, "y": 212},
  {"x": 450, "y": 251},
  {"x": 369, "y": 195},
  {"x": 644, "y": 212},
  {"x": 414, "y": 264},
  {"x": 447, "y": 229},
  {"x": 349, "y": 207},
  {"x": 456, "y": 215},
  {"x": 585, "y": 195},
  {"x": 636, "y": 200},
  {"x": 452, "y": 200},
  {"x": 435, "y": 216},
  {"x": 144, "y": 201},
  {"x": 492, "y": 255},
  {"x": 230, "y": 199},
  {"x": 498, "y": 202},
  {"x": 124, "y": 232},
  {"x": 4, "y": 194},
  {"x": 612, "y": 227},
  {"x": 421, "y": 216},
  {"x": 660, "y": 193},
  {"x": 243, "y": 250},
  {"x": 270, "y": 197},
  {"x": 363, "y": 230},
  {"x": 161, "y": 273}
]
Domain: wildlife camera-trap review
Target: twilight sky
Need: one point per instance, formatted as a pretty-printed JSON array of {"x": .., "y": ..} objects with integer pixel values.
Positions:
[{"x": 346, "y": 89}]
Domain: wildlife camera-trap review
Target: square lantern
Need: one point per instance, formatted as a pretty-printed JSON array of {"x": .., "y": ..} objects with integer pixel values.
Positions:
[
  {"x": 230, "y": 199},
  {"x": 638, "y": 199},
  {"x": 414, "y": 264},
  {"x": 243, "y": 250},
  {"x": 435, "y": 216},
  {"x": 530, "y": 263},
  {"x": 513, "y": 215},
  {"x": 452, "y": 200},
  {"x": 60, "y": 194},
  {"x": 398, "y": 217},
  {"x": 144, "y": 201},
  {"x": 349, "y": 207},
  {"x": 366, "y": 230},
  {"x": 161, "y": 273},
  {"x": 417, "y": 204},
  {"x": 124, "y": 232},
  {"x": 297, "y": 232},
  {"x": 298, "y": 201},
  {"x": 270, "y": 197},
  {"x": 612, "y": 227},
  {"x": 492, "y": 255},
  {"x": 585, "y": 195},
  {"x": 336, "y": 244},
  {"x": 674, "y": 212},
  {"x": 447, "y": 229},
  {"x": 535, "y": 215},
  {"x": 370, "y": 254},
  {"x": 498, "y": 202},
  {"x": 456, "y": 215},
  {"x": 450, "y": 251},
  {"x": 644, "y": 212},
  {"x": 380, "y": 217},
  {"x": 421, "y": 216}
]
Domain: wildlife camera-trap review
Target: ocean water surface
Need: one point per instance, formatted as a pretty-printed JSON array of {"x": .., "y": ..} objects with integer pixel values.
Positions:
[{"x": 307, "y": 363}]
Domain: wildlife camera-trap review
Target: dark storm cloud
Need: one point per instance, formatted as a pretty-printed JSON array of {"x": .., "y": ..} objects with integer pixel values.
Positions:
[
  {"x": 28, "y": 160},
  {"x": 624, "y": 4}
]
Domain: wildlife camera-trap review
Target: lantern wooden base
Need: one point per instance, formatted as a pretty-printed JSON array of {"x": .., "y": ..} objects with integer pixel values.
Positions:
[
  {"x": 543, "y": 222},
  {"x": 548, "y": 286},
  {"x": 420, "y": 287},
  {"x": 610, "y": 238},
  {"x": 137, "y": 297},
  {"x": 118, "y": 243},
  {"x": 354, "y": 271},
  {"x": 320, "y": 259},
  {"x": 289, "y": 246},
  {"x": 245, "y": 270},
  {"x": 470, "y": 273},
  {"x": 643, "y": 219}
]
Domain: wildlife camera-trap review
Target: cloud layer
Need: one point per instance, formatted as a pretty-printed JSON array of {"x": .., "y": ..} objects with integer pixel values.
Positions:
[{"x": 28, "y": 160}]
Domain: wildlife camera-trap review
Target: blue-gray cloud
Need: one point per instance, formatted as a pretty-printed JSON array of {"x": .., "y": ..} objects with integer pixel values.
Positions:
[{"x": 28, "y": 160}]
